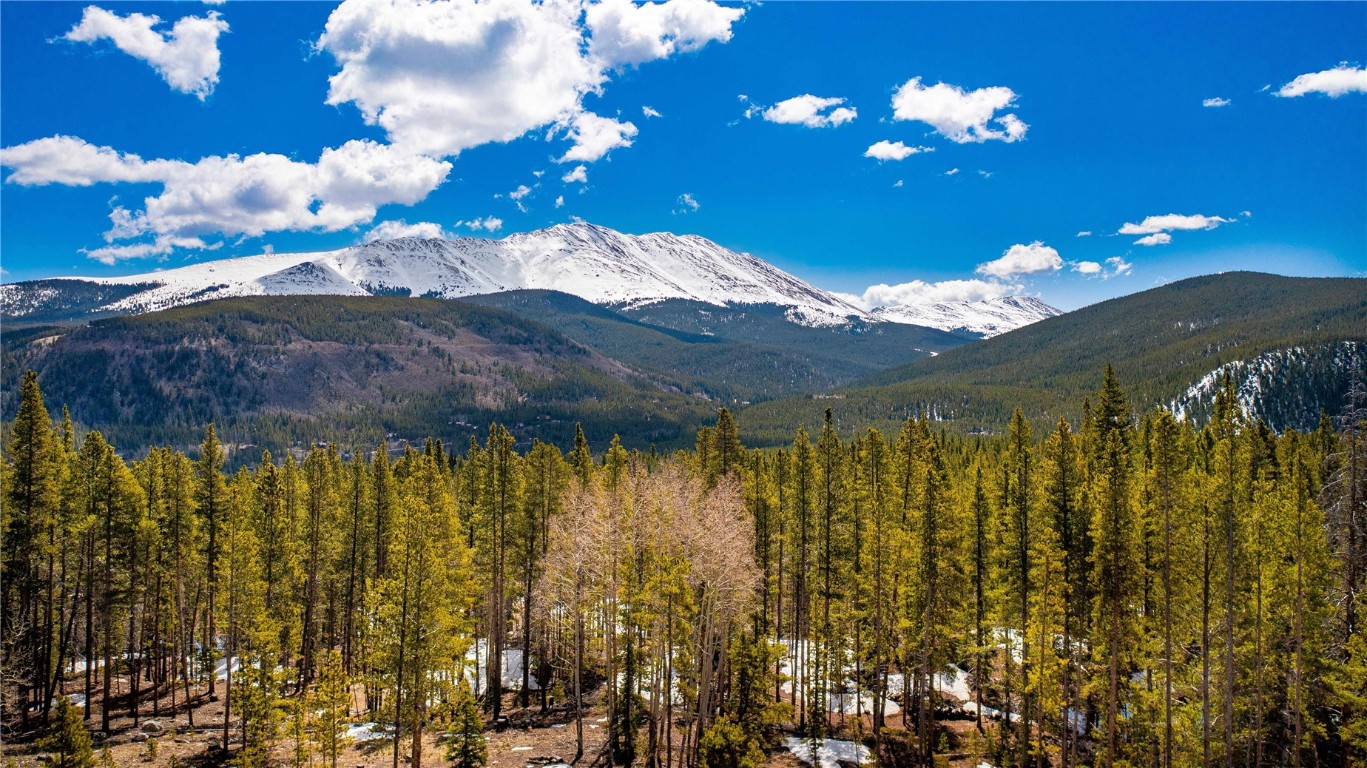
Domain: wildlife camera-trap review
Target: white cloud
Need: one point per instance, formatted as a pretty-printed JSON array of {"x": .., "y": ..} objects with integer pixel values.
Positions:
[
  {"x": 811, "y": 111},
  {"x": 920, "y": 292},
  {"x": 687, "y": 203},
  {"x": 487, "y": 223},
  {"x": 1157, "y": 238},
  {"x": 1118, "y": 266},
  {"x": 1023, "y": 260},
  {"x": 1087, "y": 267},
  {"x": 1171, "y": 222},
  {"x": 1085, "y": 233},
  {"x": 186, "y": 58},
  {"x": 624, "y": 33},
  {"x": 560, "y": 201},
  {"x": 73, "y": 162},
  {"x": 1330, "y": 82},
  {"x": 396, "y": 228},
  {"x": 1218, "y": 101},
  {"x": 649, "y": 111},
  {"x": 985, "y": 174},
  {"x": 580, "y": 175},
  {"x": 898, "y": 184},
  {"x": 441, "y": 78},
  {"x": 232, "y": 195},
  {"x": 595, "y": 136},
  {"x": 951, "y": 171},
  {"x": 893, "y": 150},
  {"x": 161, "y": 246},
  {"x": 958, "y": 115},
  {"x": 522, "y": 191},
  {"x": 1246, "y": 214}
]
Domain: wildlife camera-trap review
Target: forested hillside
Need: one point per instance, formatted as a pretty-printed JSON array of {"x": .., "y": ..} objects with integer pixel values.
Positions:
[
  {"x": 1165, "y": 341},
  {"x": 1128, "y": 589},
  {"x": 281, "y": 371},
  {"x": 733, "y": 354}
]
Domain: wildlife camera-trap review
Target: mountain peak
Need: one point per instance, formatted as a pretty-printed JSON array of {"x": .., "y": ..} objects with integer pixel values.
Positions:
[
  {"x": 986, "y": 317},
  {"x": 580, "y": 258}
]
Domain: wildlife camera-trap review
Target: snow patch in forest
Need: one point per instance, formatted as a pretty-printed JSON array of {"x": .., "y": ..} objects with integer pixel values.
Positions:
[
  {"x": 971, "y": 707},
  {"x": 358, "y": 732},
  {"x": 830, "y": 753},
  {"x": 221, "y": 668},
  {"x": 477, "y": 658}
]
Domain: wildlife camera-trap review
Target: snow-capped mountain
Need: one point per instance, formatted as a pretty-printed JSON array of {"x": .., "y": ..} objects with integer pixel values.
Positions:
[
  {"x": 585, "y": 260},
  {"x": 986, "y": 318},
  {"x": 592, "y": 262}
]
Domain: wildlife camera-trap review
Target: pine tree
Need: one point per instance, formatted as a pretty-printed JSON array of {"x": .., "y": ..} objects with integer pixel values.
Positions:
[
  {"x": 69, "y": 745},
  {"x": 421, "y": 601},
  {"x": 210, "y": 493},
  {"x": 465, "y": 746},
  {"x": 333, "y": 702},
  {"x": 28, "y": 525},
  {"x": 1115, "y": 562}
]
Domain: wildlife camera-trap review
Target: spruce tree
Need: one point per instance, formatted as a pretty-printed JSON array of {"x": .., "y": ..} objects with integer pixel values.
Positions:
[
  {"x": 69, "y": 744},
  {"x": 465, "y": 745}
]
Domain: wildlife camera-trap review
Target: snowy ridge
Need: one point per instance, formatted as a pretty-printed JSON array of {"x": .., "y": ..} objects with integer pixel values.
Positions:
[
  {"x": 987, "y": 318},
  {"x": 1255, "y": 379},
  {"x": 585, "y": 260}
]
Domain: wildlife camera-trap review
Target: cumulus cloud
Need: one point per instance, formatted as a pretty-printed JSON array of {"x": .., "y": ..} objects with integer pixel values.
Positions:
[
  {"x": 811, "y": 111},
  {"x": 1218, "y": 101},
  {"x": 1085, "y": 233},
  {"x": 232, "y": 195},
  {"x": 1022, "y": 259},
  {"x": 1118, "y": 266},
  {"x": 560, "y": 201},
  {"x": 625, "y": 33},
  {"x": 951, "y": 171},
  {"x": 486, "y": 223},
  {"x": 396, "y": 228},
  {"x": 441, "y": 78},
  {"x": 595, "y": 136},
  {"x": 1330, "y": 82},
  {"x": 160, "y": 246},
  {"x": 649, "y": 111},
  {"x": 1087, "y": 267},
  {"x": 1157, "y": 238},
  {"x": 186, "y": 57},
  {"x": 580, "y": 175},
  {"x": 687, "y": 203},
  {"x": 1157, "y": 228},
  {"x": 893, "y": 150},
  {"x": 959, "y": 115},
  {"x": 920, "y": 292}
]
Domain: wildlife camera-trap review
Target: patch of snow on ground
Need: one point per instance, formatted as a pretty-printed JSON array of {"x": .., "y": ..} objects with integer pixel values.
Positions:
[
  {"x": 358, "y": 732},
  {"x": 831, "y": 752}
]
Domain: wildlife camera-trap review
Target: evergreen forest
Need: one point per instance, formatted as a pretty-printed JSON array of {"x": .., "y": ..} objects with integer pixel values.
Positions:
[{"x": 1132, "y": 589}]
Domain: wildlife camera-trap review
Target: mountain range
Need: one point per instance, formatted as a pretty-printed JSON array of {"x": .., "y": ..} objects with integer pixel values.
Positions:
[
  {"x": 592, "y": 262},
  {"x": 643, "y": 336}
]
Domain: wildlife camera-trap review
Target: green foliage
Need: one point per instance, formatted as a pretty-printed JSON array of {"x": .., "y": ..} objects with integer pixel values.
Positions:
[
  {"x": 465, "y": 745},
  {"x": 1183, "y": 586},
  {"x": 727, "y": 744},
  {"x": 69, "y": 744}
]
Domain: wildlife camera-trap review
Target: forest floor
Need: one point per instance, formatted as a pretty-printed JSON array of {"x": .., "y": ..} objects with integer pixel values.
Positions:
[{"x": 529, "y": 740}]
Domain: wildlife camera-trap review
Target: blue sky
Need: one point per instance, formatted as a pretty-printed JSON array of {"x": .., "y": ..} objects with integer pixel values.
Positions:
[{"x": 224, "y": 130}]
